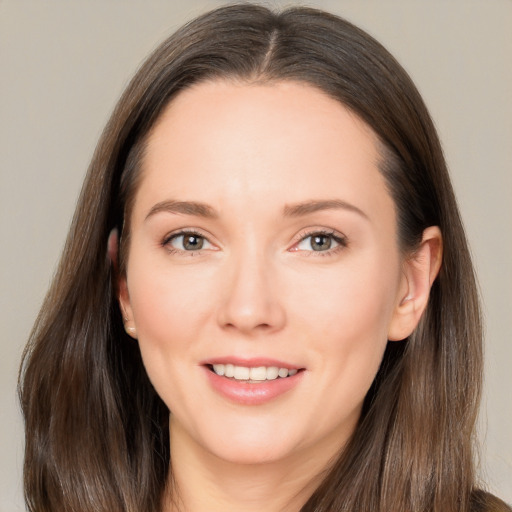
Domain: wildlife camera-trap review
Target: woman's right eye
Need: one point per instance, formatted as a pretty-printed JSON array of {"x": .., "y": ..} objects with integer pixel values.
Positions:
[{"x": 187, "y": 241}]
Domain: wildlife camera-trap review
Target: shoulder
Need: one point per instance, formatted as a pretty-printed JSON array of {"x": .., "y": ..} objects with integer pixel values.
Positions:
[{"x": 482, "y": 501}]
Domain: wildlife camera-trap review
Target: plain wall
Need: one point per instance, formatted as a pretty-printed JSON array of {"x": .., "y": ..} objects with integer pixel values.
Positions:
[{"x": 63, "y": 65}]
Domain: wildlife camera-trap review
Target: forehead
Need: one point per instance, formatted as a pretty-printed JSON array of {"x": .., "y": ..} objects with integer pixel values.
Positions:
[{"x": 223, "y": 142}]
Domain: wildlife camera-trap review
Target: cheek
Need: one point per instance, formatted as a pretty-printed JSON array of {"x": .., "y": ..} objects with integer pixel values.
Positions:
[
  {"x": 350, "y": 342},
  {"x": 347, "y": 314},
  {"x": 356, "y": 297},
  {"x": 170, "y": 309},
  {"x": 169, "y": 303}
]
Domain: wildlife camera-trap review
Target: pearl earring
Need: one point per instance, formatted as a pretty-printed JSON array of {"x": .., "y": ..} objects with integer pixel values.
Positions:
[{"x": 131, "y": 331}]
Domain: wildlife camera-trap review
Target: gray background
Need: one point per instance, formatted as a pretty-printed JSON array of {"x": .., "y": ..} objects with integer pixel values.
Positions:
[{"x": 63, "y": 65}]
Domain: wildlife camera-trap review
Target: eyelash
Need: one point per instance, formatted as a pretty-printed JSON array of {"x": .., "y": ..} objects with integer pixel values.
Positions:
[{"x": 340, "y": 239}]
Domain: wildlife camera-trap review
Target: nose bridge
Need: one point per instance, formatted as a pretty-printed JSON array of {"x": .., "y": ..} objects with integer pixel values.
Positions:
[{"x": 251, "y": 299}]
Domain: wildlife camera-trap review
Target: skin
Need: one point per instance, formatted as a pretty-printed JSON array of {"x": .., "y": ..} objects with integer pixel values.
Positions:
[{"x": 258, "y": 289}]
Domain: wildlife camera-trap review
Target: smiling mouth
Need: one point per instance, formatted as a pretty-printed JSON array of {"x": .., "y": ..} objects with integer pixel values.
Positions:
[{"x": 252, "y": 374}]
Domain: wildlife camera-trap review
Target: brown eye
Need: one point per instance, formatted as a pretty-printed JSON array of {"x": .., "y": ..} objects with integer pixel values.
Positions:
[
  {"x": 188, "y": 241},
  {"x": 320, "y": 242},
  {"x": 192, "y": 242}
]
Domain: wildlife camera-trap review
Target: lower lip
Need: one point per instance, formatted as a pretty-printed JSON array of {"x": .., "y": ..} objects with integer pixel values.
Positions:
[{"x": 248, "y": 393}]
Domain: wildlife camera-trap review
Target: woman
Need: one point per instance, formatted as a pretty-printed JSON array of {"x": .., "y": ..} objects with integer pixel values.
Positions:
[{"x": 266, "y": 300}]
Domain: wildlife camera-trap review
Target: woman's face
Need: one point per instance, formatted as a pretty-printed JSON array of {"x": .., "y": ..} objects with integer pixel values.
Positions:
[{"x": 263, "y": 246}]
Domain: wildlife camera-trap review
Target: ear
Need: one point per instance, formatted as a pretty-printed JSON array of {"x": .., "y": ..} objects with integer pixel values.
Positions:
[
  {"x": 121, "y": 288},
  {"x": 113, "y": 248},
  {"x": 419, "y": 272}
]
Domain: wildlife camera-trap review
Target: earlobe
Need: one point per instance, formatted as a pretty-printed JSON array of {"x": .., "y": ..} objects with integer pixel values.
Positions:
[
  {"x": 420, "y": 271},
  {"x": 126, "y": 310}
]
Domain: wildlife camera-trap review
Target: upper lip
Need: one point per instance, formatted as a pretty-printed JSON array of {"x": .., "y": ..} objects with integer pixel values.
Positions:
[{"x": 250, "y": 362}]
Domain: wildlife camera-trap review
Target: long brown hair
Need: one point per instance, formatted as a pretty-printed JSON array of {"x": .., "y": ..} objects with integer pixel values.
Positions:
[{"x": 96, "y": 431}]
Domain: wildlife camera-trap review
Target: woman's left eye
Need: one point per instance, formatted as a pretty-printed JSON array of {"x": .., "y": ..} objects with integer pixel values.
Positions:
[
  {"x": 320, "y": 242},
  {"x": 188, "y": 241}
]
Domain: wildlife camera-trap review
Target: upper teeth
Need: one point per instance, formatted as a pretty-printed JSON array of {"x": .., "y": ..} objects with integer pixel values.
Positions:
[{"x": 259, "y": 373}]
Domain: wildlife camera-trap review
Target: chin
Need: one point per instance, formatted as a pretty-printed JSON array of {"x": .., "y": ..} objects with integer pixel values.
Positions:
[
  {"x": 255, "y": 455},
  {"x": 243, "y": 448}
]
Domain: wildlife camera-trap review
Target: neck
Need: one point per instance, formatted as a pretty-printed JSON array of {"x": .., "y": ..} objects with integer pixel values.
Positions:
[{"x": 202, "y": 481}]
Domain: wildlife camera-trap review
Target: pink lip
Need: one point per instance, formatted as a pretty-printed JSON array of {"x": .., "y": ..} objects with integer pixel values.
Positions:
[{"x": 246, "y": 393}]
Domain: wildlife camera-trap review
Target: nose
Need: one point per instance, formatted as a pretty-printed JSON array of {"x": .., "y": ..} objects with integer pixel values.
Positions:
[{"x": 251, "y": 297}]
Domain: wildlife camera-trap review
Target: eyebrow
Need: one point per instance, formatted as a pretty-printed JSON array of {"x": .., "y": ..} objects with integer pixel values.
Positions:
[
  {"x": 294, "y": 210},
  {"x": 307, "y": 207},
  {"x": 185, "y": 208}
]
